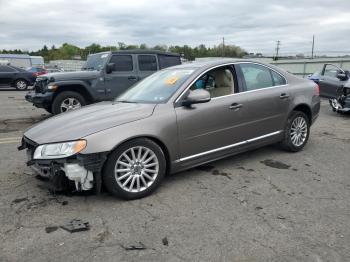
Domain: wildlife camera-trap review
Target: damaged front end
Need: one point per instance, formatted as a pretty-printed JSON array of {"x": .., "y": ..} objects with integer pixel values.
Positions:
[
  {"x": 341, "y": 104},
  {"x": 80, "y": 171}
]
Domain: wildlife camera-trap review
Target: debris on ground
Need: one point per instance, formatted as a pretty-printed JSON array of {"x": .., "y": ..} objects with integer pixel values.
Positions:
[
  {"x": 76, "y": 225},
  {"x": 280, "y": 217},
  {"x": 258, "y": 208},
  {"x": 64, "y": 203},
  {"x": 19, "y": 200},
  {"x": 138, "y": 246},
  {"x": 51, "y": 229},
  {"x": 165, "y": 241},
  {"x": 275, "y": 164}
]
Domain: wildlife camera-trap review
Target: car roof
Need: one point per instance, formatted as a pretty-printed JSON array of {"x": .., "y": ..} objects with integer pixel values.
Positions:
[
  {"x": 140, "y": 51},
  {"x": 213, "y": 62}
]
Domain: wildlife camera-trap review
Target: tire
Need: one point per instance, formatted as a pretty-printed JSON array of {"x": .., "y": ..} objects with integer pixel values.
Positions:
[
  {"x": 21, "y": 84},
  {"x": 72, "y": 100},
  {"x": 140, "y": 178},
  {"x": 297, "y": 132}
]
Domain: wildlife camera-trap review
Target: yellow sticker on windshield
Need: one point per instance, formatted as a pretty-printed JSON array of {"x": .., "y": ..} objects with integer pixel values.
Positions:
[{"x": 171, "y": 80}]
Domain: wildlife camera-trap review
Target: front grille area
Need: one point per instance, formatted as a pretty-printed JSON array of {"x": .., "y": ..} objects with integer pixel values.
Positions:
[{"x": 40, "y": 85}]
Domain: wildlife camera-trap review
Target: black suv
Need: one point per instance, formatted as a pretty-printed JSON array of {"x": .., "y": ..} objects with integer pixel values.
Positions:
[
  {"x": 104, "y": 76},
  {"x": 15, "y": 77}
]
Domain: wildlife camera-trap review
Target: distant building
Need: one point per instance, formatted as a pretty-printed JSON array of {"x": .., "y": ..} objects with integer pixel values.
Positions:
[
  {"x": 67, "y": 65},
  {"x": 22, "y": 61}
]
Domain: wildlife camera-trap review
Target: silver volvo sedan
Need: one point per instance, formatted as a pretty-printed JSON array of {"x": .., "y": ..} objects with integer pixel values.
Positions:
[{"x": 175, "y": 119}]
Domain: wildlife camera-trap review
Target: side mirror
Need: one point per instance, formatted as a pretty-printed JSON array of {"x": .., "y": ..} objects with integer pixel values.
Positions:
[
  {"x": 197, "y": 96},
  {"x": 342, "y": 76},
  {"x": 109, "y": 68}
]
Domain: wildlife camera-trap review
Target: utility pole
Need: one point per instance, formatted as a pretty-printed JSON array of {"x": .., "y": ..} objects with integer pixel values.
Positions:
[
  {"x": 223, "y": 46},
  {"x": 277, "y": 49},
  {"x": 313, "y": 46}
]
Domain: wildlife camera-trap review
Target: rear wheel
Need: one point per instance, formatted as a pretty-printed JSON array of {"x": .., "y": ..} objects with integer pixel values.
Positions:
[
  {"x": 21, "y": 84},
  {"x": 135, "y": 169},
  {"x": 296, "y": 132},
  {"x": 67, "y": 101}
]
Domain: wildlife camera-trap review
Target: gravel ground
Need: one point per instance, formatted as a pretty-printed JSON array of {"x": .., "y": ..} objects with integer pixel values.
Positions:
[{"x": 264, "y": 205}]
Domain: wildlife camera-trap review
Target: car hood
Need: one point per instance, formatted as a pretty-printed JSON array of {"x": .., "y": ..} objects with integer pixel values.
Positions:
[
  {"x": 86, "y": 121},
  {"x": 78, "y": 75}
]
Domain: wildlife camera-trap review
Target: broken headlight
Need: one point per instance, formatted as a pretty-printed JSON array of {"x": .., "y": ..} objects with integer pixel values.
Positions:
[{"x": 59, "y": 150}]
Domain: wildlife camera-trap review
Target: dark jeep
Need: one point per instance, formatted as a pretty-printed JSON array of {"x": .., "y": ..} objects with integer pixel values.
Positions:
[{"x": 104, "y": 76}]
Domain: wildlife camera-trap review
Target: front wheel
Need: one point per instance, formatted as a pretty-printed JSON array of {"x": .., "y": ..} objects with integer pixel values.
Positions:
[
  {"x": 296, "y": 132},
  {"x": 67, "y": 101},
  {"x": 135, "y": 169}
]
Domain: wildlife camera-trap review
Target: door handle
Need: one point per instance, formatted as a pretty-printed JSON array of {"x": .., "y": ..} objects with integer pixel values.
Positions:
[
  {"x": 284, "y": 96},
  {"x": 132, "y": 77},
  {"x": 235, "y": 106}
]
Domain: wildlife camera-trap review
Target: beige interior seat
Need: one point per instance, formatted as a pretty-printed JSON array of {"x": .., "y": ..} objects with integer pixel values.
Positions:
[{"x": 224, "y": 84}]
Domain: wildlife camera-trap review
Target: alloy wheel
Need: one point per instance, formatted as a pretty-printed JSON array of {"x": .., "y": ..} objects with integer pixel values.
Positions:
[
  {"x": 21, "y": 84},
  {"x": 136, "y": 169},
  {"x": 298, "y": 131},
  {"x": 70, "y": 104}
]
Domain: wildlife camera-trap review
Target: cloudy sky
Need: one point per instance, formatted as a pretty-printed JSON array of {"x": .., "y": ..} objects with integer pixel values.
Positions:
[{"x": 254, "y": 25}]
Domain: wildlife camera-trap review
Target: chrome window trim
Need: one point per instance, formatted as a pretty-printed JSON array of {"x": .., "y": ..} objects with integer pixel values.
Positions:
[
  {"x": 232, "y": 63},
  {"x": 229, "y": 146}
]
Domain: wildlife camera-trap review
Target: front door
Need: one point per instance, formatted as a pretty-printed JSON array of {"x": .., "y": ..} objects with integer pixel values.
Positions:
[
  {"x": 123, "y": 75},
  {"x": 210, "y": 126},
  {"x": 329, "y": 82}
]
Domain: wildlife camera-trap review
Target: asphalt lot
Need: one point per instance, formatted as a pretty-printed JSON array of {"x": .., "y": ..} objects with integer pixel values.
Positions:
[{"x": 265, "y": 205}]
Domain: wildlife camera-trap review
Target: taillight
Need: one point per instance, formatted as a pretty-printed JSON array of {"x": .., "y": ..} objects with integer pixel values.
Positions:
[
  {"x": 35, "y": 74},
  {"x": 317, "y": 90}
]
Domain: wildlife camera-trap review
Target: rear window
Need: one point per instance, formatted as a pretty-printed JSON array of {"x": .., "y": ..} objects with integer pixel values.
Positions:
[
  {"x": 122, "y": 62},
  {"x": 147, "y": 63},
  {"x": 167, "y": 61}
]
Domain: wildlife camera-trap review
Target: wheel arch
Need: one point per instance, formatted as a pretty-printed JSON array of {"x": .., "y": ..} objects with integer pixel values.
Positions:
[
  {"x": 75, "y": 87},
  {"x": 305, "y": 109},
  {"x": 156, "y": 140}
]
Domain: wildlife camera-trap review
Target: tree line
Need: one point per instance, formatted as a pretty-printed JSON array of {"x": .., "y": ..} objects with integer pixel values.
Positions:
[{"x": 68, "y": 51}]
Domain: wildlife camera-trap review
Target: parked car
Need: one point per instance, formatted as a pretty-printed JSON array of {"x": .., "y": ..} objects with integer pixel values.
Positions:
[
  {"x": 104, "y": 76},
  {"x": 37, "y": 71},
  {"x": 15, "y": 77},
  {"x": 330, "y": 80},
  {"x": 173, "y": 120}
]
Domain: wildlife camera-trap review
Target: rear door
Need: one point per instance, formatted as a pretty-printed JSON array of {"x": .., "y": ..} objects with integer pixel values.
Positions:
[
  {"x": 265, "y": 99},
  {"x": 147, "y": 65},
  {"x": 123, "y": 75},
  {"x": 329, "y": 83},
  {"x": 7, "y": 75}
]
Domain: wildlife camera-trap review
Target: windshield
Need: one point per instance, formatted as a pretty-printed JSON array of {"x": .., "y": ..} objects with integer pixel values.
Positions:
[
  {"x": 156, "y": 88},
  {"x": 95, "y": 62}
]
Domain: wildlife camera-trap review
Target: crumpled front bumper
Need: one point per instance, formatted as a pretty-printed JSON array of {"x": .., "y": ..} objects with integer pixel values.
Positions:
[
  {"x": 40, "y": 100},
  {"x": 84, "y": 170}
]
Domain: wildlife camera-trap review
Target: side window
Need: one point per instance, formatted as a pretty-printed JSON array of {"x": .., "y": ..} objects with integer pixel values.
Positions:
[
  {"x": 167, "y": 61},
  {"x": 6, "y": 69},
  {"x": 122, "y": 63},
  {"x": 147, "y": 62},
  {"x": 278, "y": 80},
  {"x": 219, "y": 82},
  {"x": 256, "y": 76},
  {"x": 331, "y": 71}
]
